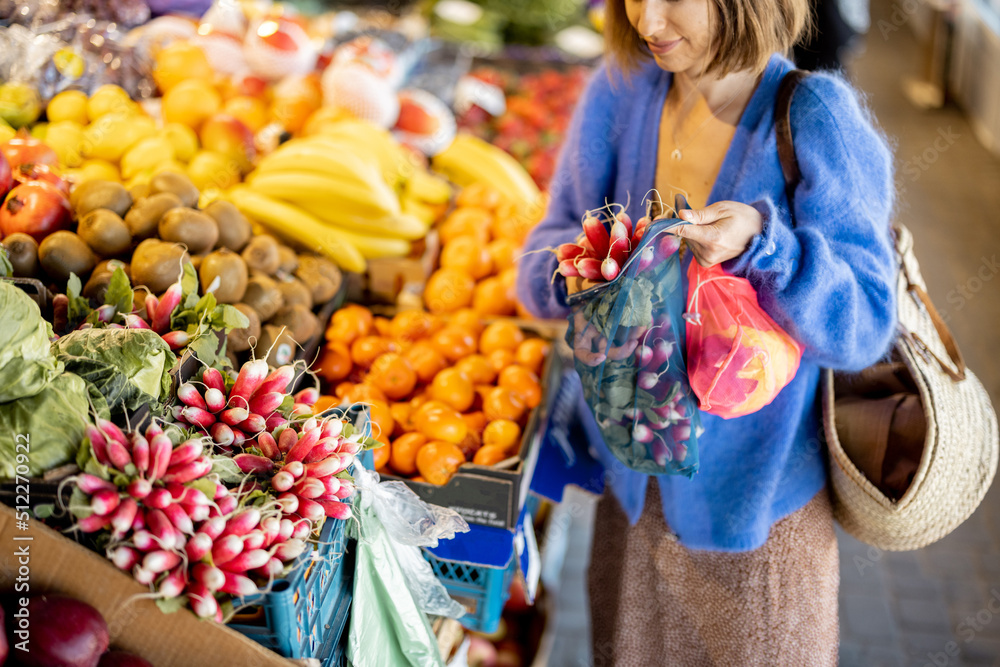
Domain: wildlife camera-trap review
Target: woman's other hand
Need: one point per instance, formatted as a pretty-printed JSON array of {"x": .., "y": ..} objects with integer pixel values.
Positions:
[
  {"x": 577, "y": 284},
  {"x": 719, "y": 232}
]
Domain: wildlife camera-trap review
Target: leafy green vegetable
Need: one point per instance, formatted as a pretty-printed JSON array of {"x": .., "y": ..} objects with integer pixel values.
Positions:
[
  {"x": 26, "y": 362},
  {"x": 226, "y": 469},
  {"x": 6, "y": 268},
  {"x": 205, "y": 320},
  {"x": 53, "y": 420},
  {"x": 119, "y": 292},
  {"x": 79, "y": 307},
  {"x": 129, "y": 367}
]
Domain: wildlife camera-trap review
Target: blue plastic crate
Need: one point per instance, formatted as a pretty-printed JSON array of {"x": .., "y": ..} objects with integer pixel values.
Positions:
[
  {"x": 305, "y": 615},
  {"x": 482, "y": 590}
]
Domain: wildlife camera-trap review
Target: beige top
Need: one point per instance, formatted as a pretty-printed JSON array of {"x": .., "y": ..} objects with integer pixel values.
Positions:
[{"x": 703, "y": 140}]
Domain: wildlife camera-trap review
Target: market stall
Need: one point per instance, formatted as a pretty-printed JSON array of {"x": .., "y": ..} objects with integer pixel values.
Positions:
[{"x": 251, "y": 255}]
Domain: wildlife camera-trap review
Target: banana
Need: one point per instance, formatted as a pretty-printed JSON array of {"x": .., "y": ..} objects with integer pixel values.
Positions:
[
  {"x": 415, "y": 208},
  {"x": 395, "y": 163},
  {"x": 428, "y": 188},
  {"x": 377, "y": 247},
  {"x": 349, "y": 199},
  {"x": 470, "y": 159},
  {"x": 295, "y": 224},
  {"x": 401, "y": 226},
  {"x": 314, "y": 158}
]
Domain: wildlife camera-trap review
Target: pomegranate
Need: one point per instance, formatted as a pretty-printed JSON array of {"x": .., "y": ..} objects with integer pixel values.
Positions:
[
  {"x": 6, "y": 176},
  {"x": 32, "y": 171},
  {"x": 26, "y": 149},
  {"x": 36, "y": 208}
]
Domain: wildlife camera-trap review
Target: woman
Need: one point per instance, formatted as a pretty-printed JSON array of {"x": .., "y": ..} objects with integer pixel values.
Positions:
[{"x": 737, "y": 566}]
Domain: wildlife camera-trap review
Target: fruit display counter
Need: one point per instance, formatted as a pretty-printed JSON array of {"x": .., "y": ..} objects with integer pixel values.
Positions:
[{"x": 245, "y": 222}]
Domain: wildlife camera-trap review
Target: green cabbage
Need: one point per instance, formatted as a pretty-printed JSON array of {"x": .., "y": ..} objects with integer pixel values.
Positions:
[
  {"x": 26, "y": 362},
  {"x": 51, "y": 423},
  {"x": 129, "y": 367}
]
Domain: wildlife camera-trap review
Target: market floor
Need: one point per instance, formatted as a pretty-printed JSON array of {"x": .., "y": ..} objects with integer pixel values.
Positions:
[{"x": 939, "y": 606}]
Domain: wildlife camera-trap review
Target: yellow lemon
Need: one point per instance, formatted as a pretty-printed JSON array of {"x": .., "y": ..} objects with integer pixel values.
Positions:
[{"x": 68, "y": 105}]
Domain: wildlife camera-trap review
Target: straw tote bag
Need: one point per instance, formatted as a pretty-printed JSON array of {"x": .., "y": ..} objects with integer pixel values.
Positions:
[{"x": 912, "y": 440}]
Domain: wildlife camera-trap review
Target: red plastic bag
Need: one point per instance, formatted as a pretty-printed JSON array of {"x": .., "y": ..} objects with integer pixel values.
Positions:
[{"x": 738, "y": 357}]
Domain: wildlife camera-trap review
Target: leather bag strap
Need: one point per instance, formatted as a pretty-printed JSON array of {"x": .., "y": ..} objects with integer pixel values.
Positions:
[
  {"x": 783, "y": 129},
  {"x": 957, "y": 374}
]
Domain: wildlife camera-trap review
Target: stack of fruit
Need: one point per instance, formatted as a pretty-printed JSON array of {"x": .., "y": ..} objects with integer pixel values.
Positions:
[
  {"x": 352, "y": 187},
  {"x": 539, "y": 107},
  {"x": 443, "y": 392}
]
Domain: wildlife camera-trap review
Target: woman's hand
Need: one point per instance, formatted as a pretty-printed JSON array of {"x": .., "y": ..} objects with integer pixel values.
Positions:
[
  {"x": 577, "y": 284},
  {"x": 719, "y": 232}
]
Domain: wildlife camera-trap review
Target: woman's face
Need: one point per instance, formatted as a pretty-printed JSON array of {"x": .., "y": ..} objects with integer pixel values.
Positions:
[{"x": 678, "y": 32}]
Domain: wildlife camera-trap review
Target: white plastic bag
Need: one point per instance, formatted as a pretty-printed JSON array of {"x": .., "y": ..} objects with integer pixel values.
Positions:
[{"x": 410, "y": 524}]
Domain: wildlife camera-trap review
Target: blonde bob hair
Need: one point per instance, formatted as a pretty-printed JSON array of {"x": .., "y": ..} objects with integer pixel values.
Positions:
[{"x": 749, "y": 31}]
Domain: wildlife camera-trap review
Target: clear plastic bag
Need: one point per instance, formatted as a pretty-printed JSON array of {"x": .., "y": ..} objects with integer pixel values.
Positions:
[
  {"x": 410, "y": 523},
  {"x": 739, "y": 359},
  {"x": 627, "y": 336}
]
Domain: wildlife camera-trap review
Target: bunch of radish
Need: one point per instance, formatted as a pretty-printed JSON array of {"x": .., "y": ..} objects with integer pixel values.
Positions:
[
  {"x": 177, "y": 529},
  {"x": 236, "y": 415},
  {"x": 606, "y": 244}
]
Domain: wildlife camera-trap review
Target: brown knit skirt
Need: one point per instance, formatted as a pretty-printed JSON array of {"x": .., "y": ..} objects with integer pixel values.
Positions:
[{"x": 655, "y": 602}]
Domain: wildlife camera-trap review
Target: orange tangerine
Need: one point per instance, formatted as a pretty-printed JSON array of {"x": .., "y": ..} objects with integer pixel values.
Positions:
[
  {"x": 476, "y": 421},
  {"x": 452, "y": 387},
  {"x": 334, "y": 363},
  {"x": 426, "y": 360},
  {"x": 468, "y": 255},
  {"x": 413, "y": 325},
  {"x": 404, "y": 453},
  {"x": 381, "y": 455},
  {"x": 503, "y": 252},
  {"x": 467, "y": 318},
  {"x": 402, "y": 412},
  {"x": 479, "y": 194},
  {"x": 437, "y": 461},
  {"x": 522, "y": 382},
  {"x": 394, "y": 375},
  {"x": 477, "y": 368},
  {"x": 467, "y": 221},
  {"x": 324, "y": 403},
  {"x": 365, "y": 350},
  {"x": 382, "y": 326},
  {"x": 492, "y": 297},
  {"x": 489, "y": 455},
  {"x": 445, "y": 425},
  {"x": 470, "y": 444},
  {"x": 349, "y": 323},
  {"x": 511, "y": 222},
  {"x": 531, "y": 354},
  {"x": 501, "y": 359},
  {"x": 503, "y": 403},
  {"x": 447, "y": 290},
  {"x": 454, "y": 342},
  {"x": 382, "y": 422},
  {"x": 502, "y": 433},
  {"x": 500, "y": 335}
]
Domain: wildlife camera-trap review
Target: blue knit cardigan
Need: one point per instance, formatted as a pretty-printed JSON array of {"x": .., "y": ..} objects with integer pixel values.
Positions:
[{"x": 827, "y": 278}]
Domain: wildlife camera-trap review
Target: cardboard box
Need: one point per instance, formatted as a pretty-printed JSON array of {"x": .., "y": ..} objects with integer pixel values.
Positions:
[{"x": 60, "y": 565}]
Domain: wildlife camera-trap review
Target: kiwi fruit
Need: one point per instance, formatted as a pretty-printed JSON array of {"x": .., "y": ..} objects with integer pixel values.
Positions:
[
  {"x": 97, "y": 285},
  {"x": 63, "y": 253},
  {"x": 91, "y": 195},
  {"x": 194, "y": 229},
  {"x": 261, "y": 254},
  {"x": 234, "y": 228},
  {"x": 139, "y": 295},
  {"x": 238, "y": 340},
  {"x": 300, "y": 322},
  {"x": 179, "y": 184},
  {"x": 294, "y": 292},
  {"x": 231, "y": 271},
  {"x": 144, "y": 216},
  {"x": 279, "y": 343},
  {"x": 105, "y": 232},
  {"x": 262, "y": 294},
  {"x": 22, "y": 251},
  {"x": 157, "y": 264},
  {"x": 288, "y": 260},
  {"x": 110, "y": 265},
  {"x": 140, "y": 191},
  {"x": 320, "y": 276}
]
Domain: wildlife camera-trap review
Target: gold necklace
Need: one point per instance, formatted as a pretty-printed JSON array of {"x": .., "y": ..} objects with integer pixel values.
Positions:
[{"x": 677, "y": 154}]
